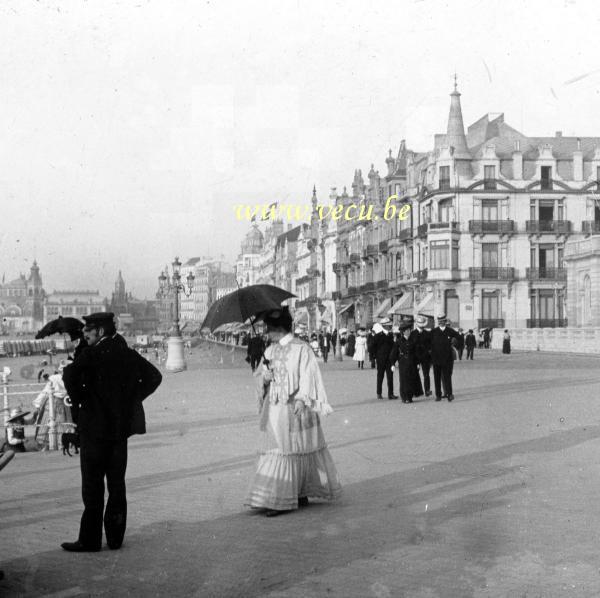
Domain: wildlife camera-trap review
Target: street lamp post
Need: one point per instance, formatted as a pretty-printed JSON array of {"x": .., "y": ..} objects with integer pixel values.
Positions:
[{"x": 175, "y": 354}]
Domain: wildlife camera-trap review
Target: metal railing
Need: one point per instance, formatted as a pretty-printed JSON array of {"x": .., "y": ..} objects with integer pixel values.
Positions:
[
  {"x": 547, "y": 323},
  {"x": 487, "y": 273},
  {"x": 491, "y": 226},
  {"x": 490, "y": 323},
  {"x": 548, "y": 226},
  {"x": 550, "y": 273}
]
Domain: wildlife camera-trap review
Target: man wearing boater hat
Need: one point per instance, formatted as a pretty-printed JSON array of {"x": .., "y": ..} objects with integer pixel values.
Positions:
[
  {"x": 419, "y": 343},
  {"x": 442, "y": 357},
  {"x": 106, "y": 383}
]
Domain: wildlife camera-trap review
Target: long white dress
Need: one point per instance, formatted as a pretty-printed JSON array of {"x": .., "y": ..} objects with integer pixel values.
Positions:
[
  {"x": 293, "y": 459},
  {"x": 360, "y": 349}
]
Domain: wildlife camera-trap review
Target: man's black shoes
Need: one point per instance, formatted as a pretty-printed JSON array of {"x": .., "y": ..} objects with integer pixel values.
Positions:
[
  {"x": 450, "y": 398},
  {"x": 392, "y": 397},
  {"x": 438, "y": 398},
  {"x": 379, "y": 397},
  {"x": 78, "y": 547}
]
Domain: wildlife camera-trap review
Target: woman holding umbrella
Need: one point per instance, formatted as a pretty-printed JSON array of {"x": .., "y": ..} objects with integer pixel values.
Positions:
[{"x": 294, "y": 462}]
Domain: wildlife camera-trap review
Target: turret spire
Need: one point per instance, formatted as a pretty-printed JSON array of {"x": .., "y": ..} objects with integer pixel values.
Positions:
[{"x": 455, "y": 135}]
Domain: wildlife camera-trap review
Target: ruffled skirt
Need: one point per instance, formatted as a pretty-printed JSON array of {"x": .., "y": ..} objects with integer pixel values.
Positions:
[{"x": 294, "y": 460}]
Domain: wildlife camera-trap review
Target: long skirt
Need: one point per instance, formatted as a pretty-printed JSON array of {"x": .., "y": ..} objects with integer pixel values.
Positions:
[
  {"x": 293, "y": 460},
  {"x": 62, "y": 418},
  {"x": 506, "y": 345},
  {"x": 410, "y": 381}
]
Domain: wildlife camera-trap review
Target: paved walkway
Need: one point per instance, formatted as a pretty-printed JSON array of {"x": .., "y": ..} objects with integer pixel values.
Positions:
[{"x": 495, "y": 494}]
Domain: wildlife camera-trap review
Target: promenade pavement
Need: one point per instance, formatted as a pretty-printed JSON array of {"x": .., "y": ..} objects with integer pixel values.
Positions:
[{"x": 495, "y": 494}]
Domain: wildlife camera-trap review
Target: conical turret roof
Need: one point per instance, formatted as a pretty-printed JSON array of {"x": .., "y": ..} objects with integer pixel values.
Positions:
[{"x": 455, "y": 135}]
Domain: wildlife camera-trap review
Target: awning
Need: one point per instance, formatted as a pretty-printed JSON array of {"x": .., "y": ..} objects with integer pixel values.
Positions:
[
  {"x": 426, "y": 305},
  {"x": 404, "y": 305},
  {"x": 382, "y": 308},
  {"x": 345, "y": 307}
]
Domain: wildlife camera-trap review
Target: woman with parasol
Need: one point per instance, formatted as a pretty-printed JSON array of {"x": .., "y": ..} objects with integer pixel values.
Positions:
[{"x": 294, "y": 462}]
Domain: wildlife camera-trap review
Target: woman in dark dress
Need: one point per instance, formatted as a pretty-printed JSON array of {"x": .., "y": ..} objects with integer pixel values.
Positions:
[
  {"x": 410, "y": 381},
  {"x": 506, "y": 343}
]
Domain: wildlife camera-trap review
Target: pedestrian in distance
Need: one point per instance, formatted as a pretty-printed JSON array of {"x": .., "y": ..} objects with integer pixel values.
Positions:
[
  {"x": 382, "y": 348},
  {"x": 420, "y": 347},
  {"x": 506, "y": 343},
  {"x": 470, "y": 342},
  {"x": 487, "y": 337},
  {"x": 410, "y": 382},
  {"x": 360, "y": 348},
  {"x": 325, "y": 344},
  {"x": 460, "y": 344},
  {"x": 370, "y": 338},
  {"x": 442, "y": 358},
  {"x": 294, "y": 462},
  {"x": 107, "y": 383}
]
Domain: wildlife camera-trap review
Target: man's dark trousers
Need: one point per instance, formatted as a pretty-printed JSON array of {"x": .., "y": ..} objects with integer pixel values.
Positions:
[
  {"x": 100, "y": 458},
  {"x": 442, "y": 375},
  {"x": 425, "y": 368},
  {"x": 470, "y": 353},
  {"x": 385, "y": 369},
  {"x": 325, "y": 354}
]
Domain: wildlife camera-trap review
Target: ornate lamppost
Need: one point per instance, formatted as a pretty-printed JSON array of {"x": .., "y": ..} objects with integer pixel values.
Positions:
[{"x": 175, "y": 355}]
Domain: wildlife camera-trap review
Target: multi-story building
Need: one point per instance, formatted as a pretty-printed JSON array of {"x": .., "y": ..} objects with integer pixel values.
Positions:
[
  {"x": 490, "y": 211},
  {"x": 21, "y": 302},
  {"x": 75, "y": 304},
  {"x": 134, "y": 316},
  {"x": 247, "y": 265}
]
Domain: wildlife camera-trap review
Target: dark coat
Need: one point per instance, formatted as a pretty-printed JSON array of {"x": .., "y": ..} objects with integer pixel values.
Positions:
[
  {"x": 442, "y": 350},
  {"x": 256, "y": 347},
  {"x": 382, "y": 347},
  {"x": 107, "y": 384},
  {"x": 410, "y": 381},
  {"x": 470, "y": 341},
  {"x": 420, "y": 345},
  {"x": 325, "y": 346}
]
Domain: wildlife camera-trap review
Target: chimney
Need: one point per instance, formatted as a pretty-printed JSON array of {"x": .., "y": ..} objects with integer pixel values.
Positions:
[
  {"x": 517, "y": 161},
  {"x": 578, "y": 162}
]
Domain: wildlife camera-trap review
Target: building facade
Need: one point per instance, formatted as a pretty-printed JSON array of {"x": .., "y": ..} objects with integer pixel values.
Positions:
[{"x": 22, "y": 303}]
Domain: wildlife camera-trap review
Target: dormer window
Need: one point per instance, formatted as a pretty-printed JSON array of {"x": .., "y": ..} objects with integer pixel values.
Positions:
[
  {"x": 546, "y": 177},
  {"x": 489, "y": 177}
]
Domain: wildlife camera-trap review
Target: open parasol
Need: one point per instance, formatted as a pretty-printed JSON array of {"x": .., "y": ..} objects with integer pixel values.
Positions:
[{"x": 70, "y": 326}]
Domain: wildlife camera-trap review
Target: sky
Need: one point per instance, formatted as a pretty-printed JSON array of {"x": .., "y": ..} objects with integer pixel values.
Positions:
[{"x": 129, "y": 131}]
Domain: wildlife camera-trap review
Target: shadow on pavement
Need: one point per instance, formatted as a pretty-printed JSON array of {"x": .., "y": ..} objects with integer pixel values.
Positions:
[{"x": 248, "y": 555}]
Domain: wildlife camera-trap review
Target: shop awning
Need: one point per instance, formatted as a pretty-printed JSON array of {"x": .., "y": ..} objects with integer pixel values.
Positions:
[
  {"x": 426, "y": 306},
  {"x": 344, "y": 308},
  {"x": 404, "y": 305},
  {"x": 381, "y": 309}
]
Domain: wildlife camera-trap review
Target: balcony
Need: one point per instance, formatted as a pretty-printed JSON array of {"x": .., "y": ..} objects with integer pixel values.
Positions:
[
  {"x": 406, "y": 234},
  {"x": 355, "y": 258},
  {"x": 546, "y": 273},
  {"x": 443, "y": 226},
  {"x": 336, "y": 295},
  {"x": 491, "y": 226},
  {"x": 352, "y": 290},
  {"x": 381, "y": 284},
  {"x": 337, "y": 267},
  {"x": 372, "y": 250},
  {"x": 590, "y": 227},
  {"x": 548, "y": 226},
  {"x": 422, "y": 230},
  {"x": 491, "y": 273},
  {"x": 490, "y": 323},
  {"x": 383, "y": 246},
  {"x": 313, "y": 272},
  {"x": 367, "y": 287},
  {"x": 547, "y": 323},
  {"x": 421, "y": 275},
  {"x": 302, "y": 280}
]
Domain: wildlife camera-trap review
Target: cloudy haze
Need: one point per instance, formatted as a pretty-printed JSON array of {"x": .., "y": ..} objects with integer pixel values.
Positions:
[{"x": 129, "y": 131}]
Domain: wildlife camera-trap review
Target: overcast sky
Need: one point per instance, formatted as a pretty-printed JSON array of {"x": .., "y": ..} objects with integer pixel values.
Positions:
[{"x": 130, "y": 130}]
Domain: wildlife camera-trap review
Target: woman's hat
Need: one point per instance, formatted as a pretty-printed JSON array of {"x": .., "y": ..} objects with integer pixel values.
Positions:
[{"x": 421, "y": 320}]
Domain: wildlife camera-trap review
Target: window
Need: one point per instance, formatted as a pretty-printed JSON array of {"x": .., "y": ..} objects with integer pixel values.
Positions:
[
  {"x": 445, "y": 211},
  {"x": 444, "y": 177},
  {"x": 561, "y": 209},
  {"x": 546, "y": 177},
  {"x": 489, "y": 255},
  {"x": 489, "y": 177},
  {"x": 439, "y": 255},
  {"x": 455, "y": 255},
  {"x": 490, "y": 306}
]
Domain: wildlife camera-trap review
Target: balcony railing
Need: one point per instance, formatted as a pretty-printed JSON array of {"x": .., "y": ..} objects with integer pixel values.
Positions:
[
  {"x": 546, "y": 273},
  {"x": 337, "y": 267},
  {"x": 491, "y": 226},
  {"x": 383, "y": 246},
  {"x": 422, "y": 230},
  {"x": 372, "y": 250},
  {"x": 336, "y": 295},
  {"x": 354, "y": 258},
  {"x": 367, "y": 287},
  {"x": 421, "y": 274},
  {"x": 352, "y": 290},
  {"x": 590, "y": 226},
  {"x": 406, "y": 234},
  {"x": 302, "y": 280},
  {"x": 486, "y": 273},
  {"x": 490, "y": 323},
  {"x": 548, "y": 226},
  {"x": 381, "y": 284},
  {"x": 547, "y": 323},
  {"x": 313, "y": 272},
  {"x": 450, "y": 225}
]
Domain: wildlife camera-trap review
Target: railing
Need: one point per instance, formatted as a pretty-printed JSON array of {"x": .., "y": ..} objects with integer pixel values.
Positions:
[
  {"x": 354, "y": 258},
  {"x": 422, "y": 230},
  {"x": 450, "y": 225},
  {"x": 590, "y": 226},
  {"x": 548, "y": 226},
  {"x": 302, "y": 280},
  {"x": 406, "y": 233},
  {"x": 372, "y": 250},
  {"x": 368, "y": 286},
  {"x": 312, "y": 272},
  {"x": 546, "y": 273},
  {"x": 491, "y": 226},
  {"x": 486, "y": 273},
  {"x": 490, "y": 323},
  {"x": 381, "y": 284},
  {"x": 383, "y": 246},
  {"x": 352, "y": 290},
  {"x": 547, "y": 323},
  {"x": 336, "y": 295},
  {"x": 421, "y": 274}
]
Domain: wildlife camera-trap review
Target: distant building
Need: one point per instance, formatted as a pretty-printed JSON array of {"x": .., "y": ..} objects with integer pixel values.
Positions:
[
  {"x": 21, "y": 303},
  {"x": 73, "y": 303},
  {"x": 135, "y": 316},
  {"x": 247, "y": 265}
]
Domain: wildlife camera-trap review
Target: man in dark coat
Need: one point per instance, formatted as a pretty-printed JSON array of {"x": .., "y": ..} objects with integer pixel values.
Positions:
[
  {"x": 470, "y": 343},
  {"x": 382, "y": 348},
  {"x": 420, "y": 347},
  {"x": 460, "y": 344},
  {"x": 255, "y": 350},
  {"x": 370, "y": 338},
  {"x": 325, "y": 344},
  {"x": 442, "y": 357},
  {"x": 107, "y": 383}
]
